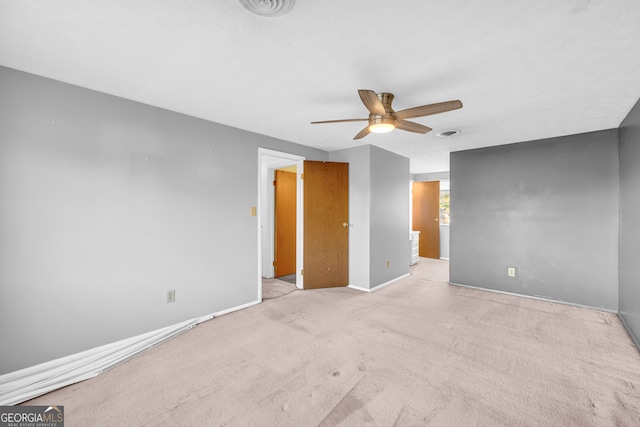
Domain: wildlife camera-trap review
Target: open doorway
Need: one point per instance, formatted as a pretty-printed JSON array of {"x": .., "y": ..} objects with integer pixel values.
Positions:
[
  {"x": 426, "y": 217},
  {"x": 430, "y": 211},
  {"x": 285, "y": 198},
  {"x": 323, "y": 215},
  {"x": 271, "y": 161}
]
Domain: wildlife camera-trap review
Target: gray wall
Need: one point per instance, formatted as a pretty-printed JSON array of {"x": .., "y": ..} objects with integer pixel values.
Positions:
[
  {"x": 105, "y": 205},
  {"x": 629, "y": 227},
  {"x": 389, "y": 216},
  {"x": 379, "y": 214},
  {"x": 548, "y": 208}
]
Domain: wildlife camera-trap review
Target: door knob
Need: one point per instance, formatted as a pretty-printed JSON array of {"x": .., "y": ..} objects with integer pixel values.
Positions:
[
  {"x": 345, "y": 224},
  {"x": 437, "y": 219}
]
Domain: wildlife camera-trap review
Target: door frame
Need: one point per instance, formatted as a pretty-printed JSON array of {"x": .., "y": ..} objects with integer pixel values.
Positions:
[{"x": 268, "y": 161}]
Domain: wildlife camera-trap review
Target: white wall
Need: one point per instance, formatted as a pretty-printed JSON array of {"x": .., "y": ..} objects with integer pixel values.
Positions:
[
  {"x": 359, "y": 206},
  {"x": 444, "y": 240}
]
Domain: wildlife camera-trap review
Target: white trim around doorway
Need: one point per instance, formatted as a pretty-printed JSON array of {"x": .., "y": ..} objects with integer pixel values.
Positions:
[{"x": 268, "y": 160}]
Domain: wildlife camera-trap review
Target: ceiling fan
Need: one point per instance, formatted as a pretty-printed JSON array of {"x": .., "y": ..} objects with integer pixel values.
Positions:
[{"x": 383, "y": 119}]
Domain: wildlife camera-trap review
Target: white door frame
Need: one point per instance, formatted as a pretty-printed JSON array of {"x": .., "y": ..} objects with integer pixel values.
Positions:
[{"x": 268, "y": 161}]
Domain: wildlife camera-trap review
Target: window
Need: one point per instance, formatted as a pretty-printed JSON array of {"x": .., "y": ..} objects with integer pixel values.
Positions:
[{"x": 444, "y": 207}]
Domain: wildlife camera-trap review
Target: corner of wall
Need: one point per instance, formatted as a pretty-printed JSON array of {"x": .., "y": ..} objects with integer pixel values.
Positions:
[{"x": 628, "y": 226}]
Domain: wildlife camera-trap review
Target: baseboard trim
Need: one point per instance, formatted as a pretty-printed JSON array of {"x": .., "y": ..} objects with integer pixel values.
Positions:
[
  {"x": 231, "y": 310},
  {"x": 629, "y": 331},
  {"x": 28, "y": 383},
  {"x": 358, "y": 288},
  {"x": 380, "y": 286},
  {"x": 555, "y": 301}
]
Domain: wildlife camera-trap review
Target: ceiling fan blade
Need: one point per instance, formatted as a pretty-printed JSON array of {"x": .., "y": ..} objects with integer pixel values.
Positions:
[
  {"x": 412, "y": 127},
  {"x": 340, "y": 121},
  {"x": 427, "y": 110},
  {"x": 364, "y": 132},
  {"x": 372, "y": 102}
]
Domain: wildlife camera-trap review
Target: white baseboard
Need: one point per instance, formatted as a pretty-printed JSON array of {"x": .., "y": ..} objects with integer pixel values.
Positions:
[
  {"x": 629, "y": 331},
  {"x": 537, "y": 297},
  {"x": 358, "y": 288},
  {"x": 230, "y": 310},
  {"x": 380, "y": 286},
  {"x": 25, "y": 384}
]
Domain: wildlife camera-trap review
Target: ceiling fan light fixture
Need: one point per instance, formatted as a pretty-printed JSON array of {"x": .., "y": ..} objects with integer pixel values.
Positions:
[
  {"x": 382, "y": 124},
  {"x": 381, "y": 128},
  {"x": 383, "y": 119}
]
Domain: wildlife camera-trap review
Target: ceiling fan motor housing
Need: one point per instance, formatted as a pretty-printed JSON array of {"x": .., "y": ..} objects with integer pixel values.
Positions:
[
  {"x": 386, "y": 123},
  {"x": 386, "y": 99},
  {"x": 381, "y": 120}
]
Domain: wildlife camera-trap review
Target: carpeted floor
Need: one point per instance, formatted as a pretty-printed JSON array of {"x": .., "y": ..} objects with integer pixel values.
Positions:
[
  {"x": 276, "y": 288},
  {"x": 291, "y": 278},
  {"x": 417, "y": 352}
]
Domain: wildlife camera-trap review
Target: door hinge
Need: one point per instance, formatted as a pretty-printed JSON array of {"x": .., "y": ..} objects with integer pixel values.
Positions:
[
  {"x": 302, "y": 272},
  {"x": 274, "y": 182},
  {"x": 301, "y": 176},
  {"x": 273, "y": 263}
]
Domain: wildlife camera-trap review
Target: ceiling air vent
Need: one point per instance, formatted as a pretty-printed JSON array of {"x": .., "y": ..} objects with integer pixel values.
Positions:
[
  {"x": 269, "y": 8},
  {"x": 449, "y": 133}
]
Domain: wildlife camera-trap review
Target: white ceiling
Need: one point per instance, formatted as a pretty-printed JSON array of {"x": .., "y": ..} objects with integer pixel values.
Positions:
[{"x": 524, "y": 70}]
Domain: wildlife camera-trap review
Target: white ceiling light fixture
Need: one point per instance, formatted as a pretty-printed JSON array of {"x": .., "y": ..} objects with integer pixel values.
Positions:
[
  {"x": 380, "y": 124},
  {"x": 268, "y": 8}
]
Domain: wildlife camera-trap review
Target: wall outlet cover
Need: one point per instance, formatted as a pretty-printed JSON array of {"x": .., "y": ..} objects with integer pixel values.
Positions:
[
  {"x": 511, "y": 272},
  {"x": 171, "y": 296}
]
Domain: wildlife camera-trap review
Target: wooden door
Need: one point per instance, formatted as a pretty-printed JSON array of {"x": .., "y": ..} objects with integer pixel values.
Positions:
[
  {"x": 326, "y": 224},
  {"x": 426, "y": 217},
  {"x": 285, "y": 223}
]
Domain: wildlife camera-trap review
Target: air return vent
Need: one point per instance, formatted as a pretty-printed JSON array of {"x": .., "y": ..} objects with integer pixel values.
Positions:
[
  {"x": 269, "y": 8},
  {"x": 449, "y": 133}
]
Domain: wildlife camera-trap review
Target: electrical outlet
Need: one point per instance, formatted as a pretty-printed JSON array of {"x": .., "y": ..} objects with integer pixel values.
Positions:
[
  {"x": 171, "y": 296},
  {"x": 387, "y": 263},
  {"x": 511, "y": 272}
]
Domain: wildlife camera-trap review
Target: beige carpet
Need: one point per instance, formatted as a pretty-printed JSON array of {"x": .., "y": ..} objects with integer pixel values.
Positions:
[
  {"x": 275, "y": 288},
  {"x": 417, "y": 352}
]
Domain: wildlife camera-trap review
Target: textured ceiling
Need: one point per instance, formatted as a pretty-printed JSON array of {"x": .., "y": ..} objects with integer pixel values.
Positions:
[{"x": 523, "y": 70}]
